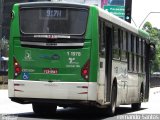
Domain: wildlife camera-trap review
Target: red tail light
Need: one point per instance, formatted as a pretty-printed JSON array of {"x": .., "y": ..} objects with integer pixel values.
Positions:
[
  {"x": 17, "y": 68},
  {"x": 85, "y": 70}
]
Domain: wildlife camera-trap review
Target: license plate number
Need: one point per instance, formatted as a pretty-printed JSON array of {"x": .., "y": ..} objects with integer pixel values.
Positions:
[{"x": 50, "y": 71}]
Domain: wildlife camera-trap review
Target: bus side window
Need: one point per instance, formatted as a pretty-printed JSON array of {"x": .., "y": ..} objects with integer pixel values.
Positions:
[
  {"x": 152, "y": 51},
  {"x": 140, "y": 55},
  {"x": 143, "y": 55},
  {"x": 137, "y": 55},
  {"x": 116, "y": 43},
  {"x": 129, "y": 53},
  {"x": 101, "y": 39},
  {"x": 132, "y": 52},
  {"x": 124, "y": 47}
]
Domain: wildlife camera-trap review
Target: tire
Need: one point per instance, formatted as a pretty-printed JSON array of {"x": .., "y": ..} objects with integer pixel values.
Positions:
[
  {"x": 137, "y": 106},
  {"x": 112, "y": 108},
  {"x": 44, "y": 109}
]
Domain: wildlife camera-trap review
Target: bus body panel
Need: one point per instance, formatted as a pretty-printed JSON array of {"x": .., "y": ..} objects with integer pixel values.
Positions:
[
  {"x": 42, "y": 65},
  {"x": 39, "y": 63},
  {"x": 94, "y": 46},
  {"x": 38, "y": 78},
  {"x": 14, "y": 33},
  {"x": 55, "y": 90},
  {"x": 119, "y": 72}
]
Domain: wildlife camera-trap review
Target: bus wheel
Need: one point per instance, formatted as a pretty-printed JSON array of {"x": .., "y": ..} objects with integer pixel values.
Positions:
[
  {"x": 112, "y": 108},
  {"x": 44, "y": 108},
  {"x": 137, "y": 106}
]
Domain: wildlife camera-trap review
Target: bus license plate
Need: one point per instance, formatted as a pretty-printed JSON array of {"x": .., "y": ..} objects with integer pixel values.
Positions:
[{"x": 50, "y": 71}]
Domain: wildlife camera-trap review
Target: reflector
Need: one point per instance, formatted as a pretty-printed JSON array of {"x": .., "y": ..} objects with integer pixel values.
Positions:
[
  {"x": 85, "y": 70},
  {"x": 17, "y": 68}
]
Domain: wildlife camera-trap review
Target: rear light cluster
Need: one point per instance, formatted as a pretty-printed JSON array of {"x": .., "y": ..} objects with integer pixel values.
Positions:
[
  {"x": 17, "y": 68},
  {"x": 85, "y": 70}
]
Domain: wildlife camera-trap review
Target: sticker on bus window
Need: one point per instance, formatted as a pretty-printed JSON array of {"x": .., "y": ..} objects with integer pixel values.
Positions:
[{"x": 25, "y": 76}]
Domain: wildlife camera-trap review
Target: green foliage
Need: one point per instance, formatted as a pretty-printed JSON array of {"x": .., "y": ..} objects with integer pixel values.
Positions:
[
  {"x": 147, "y": 27},
  {"x": 155, "y": 38}
]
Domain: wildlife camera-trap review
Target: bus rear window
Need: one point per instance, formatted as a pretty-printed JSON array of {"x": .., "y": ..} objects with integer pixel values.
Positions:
[{"x": 55, "y": 20}]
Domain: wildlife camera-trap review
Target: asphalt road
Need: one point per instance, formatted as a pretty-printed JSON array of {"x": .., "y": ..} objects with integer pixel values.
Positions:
[{"x": 14, "y": 111}]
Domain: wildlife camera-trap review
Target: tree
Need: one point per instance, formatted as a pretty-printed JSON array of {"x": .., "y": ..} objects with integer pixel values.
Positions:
[
  {"x": 147, "y": 27},
  {"x": 155, "y": 38}
]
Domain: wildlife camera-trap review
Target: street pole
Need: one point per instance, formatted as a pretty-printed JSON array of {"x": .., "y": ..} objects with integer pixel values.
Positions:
[{"x": 128, "y": 10}]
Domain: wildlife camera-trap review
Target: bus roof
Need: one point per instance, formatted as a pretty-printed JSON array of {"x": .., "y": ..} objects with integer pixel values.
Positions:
[
  {"x": 144, "y": 33},
  {"x": 102, "y": 13},
  {"x": 50, "y": 3},
  {"x": 120, "y": 22}
]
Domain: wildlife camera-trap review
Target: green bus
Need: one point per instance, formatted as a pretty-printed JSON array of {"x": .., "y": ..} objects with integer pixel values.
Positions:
[{"x": 63, "y": 54}]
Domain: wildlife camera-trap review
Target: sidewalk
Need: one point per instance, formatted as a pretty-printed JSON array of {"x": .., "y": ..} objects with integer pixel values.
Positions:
[
  {"x": 3, "y": 82},
  {"x": 9, "y": 107}
]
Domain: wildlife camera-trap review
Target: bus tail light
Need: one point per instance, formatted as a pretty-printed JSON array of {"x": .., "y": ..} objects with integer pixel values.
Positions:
[
  {"x": 17, "y": 68},
  {"x": 85, "y": 70}
]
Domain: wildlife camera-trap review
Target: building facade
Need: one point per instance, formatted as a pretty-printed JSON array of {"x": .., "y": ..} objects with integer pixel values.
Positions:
[
  {"x": 5, "y": 18},
  {"x": 1, "y": 14},
  {"x": 6, "y": 7}
]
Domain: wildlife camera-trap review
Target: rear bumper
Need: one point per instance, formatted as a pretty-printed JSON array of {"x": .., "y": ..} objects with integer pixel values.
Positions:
[
  {"x": 23, "y": 89},
  {"x": 58, "y": 102}
]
